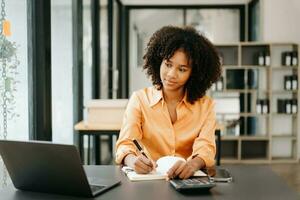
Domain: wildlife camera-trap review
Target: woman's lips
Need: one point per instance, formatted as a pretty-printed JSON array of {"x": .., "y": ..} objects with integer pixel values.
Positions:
[{"x": 170, "y": 82}]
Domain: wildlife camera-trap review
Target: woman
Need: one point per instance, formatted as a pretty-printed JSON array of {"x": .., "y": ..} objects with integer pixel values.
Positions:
[{"x": 174, "y": 117}]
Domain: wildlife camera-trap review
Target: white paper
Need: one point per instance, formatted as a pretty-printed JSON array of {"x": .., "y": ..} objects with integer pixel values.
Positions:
[
  {"x": 166, "y": 162},
  {"x": 163, "y": 165}
]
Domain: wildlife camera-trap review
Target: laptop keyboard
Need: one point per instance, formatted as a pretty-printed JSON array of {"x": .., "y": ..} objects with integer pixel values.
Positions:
[{"x": 96, "y": 188}]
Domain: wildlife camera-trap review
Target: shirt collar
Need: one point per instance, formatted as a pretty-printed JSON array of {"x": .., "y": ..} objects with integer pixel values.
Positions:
[
  {"x": 185, "y": 101},
  {"x": 157, "y": 96}
]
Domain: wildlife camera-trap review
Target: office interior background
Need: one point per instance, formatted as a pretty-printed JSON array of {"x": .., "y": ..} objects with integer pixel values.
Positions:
[{"x": 70, "y": 52}]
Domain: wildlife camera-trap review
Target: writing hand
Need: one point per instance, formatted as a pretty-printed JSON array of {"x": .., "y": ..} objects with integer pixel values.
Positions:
[{"x": 140, "y": 164}]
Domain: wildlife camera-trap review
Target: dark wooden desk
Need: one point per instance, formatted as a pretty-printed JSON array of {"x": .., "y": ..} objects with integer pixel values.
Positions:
[{"x": 251, "y": 182}]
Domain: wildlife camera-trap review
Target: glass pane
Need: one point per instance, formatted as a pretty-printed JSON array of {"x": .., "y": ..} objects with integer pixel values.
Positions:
[
  {"x": 143, "y": 23},
  {"x": 62, "y": 63},
  {"x": 254, "y": 22},
  {"x": 104, "y": 49},
  {"x": 87, "y": 52},
  {"x": 219, "y": 25},
  {"x": 17, "y": 127}
]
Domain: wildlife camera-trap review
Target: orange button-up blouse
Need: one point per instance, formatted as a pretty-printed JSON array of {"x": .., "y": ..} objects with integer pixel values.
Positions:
[{"x": 147, "y": 119}]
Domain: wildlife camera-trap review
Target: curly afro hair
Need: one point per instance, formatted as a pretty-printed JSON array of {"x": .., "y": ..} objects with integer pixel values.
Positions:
[{"x": 201, "y": 53}]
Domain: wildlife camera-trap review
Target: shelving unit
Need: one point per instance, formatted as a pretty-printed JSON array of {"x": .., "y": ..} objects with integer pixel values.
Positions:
[{"x": 250, "y": 136}]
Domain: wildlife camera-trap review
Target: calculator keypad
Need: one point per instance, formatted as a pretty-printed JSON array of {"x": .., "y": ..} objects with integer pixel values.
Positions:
[
  {"x": 195, "y": 181},
  {"x": 192, "y": 183}
]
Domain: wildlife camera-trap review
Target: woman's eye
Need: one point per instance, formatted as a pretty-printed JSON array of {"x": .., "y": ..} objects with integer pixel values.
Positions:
[
  {"x": 182, "y": 69},
  {"x": 168, "y": 65}
]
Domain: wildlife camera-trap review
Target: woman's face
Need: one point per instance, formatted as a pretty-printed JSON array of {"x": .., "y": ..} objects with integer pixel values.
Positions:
[{"x": 175, "y": 72}]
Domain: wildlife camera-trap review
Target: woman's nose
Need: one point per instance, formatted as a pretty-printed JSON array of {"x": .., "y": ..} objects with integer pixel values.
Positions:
[{"x": 172, "y": 72}]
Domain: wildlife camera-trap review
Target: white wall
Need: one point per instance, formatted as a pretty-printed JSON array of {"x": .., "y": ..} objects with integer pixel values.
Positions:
[
  {"x": 280, "y": 20},
  {"x": 280, "y": 23}
]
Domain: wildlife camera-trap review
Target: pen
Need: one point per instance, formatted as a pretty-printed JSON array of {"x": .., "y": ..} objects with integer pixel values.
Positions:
[{"x": 139, "y": 147}]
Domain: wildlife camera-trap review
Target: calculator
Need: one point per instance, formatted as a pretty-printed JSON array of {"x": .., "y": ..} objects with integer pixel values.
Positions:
[{"x": 194, "y": 183}]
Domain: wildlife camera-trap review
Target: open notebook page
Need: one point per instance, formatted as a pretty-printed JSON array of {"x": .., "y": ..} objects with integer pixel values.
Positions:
[{"x": 163, "y": 165}]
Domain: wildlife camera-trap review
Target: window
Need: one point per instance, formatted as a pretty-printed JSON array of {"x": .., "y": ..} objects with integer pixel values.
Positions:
[
  {"x": 16, "y": 13},
  {"x": 218, "y": 25},
  {"x": 62, "y": 64},
  {"x": 139, "y": 35}
]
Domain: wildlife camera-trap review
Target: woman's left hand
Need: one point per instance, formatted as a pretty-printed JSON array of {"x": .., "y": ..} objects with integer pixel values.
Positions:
[{"x": 185, "y": 170}]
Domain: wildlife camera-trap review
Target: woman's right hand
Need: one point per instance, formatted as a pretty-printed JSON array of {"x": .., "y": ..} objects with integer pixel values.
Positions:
[{"x": 140, "y": 164}]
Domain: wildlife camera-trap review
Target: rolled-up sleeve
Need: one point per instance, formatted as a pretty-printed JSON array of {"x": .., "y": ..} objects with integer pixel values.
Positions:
[
  {"x": 205, "y": 145},
  {"x": 131, "y": 129}
]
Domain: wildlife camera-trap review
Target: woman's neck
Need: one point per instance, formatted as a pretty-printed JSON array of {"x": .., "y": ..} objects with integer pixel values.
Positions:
[{"x": 173, "y": 96}]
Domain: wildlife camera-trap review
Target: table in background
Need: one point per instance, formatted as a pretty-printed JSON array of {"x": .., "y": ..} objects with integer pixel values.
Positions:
[
  {"x": 251, "y": 182},
  {"x": 95, "y": 131}
]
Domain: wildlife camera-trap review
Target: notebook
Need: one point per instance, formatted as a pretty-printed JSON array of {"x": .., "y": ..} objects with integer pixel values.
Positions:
[{"x": 163, "y": 165}]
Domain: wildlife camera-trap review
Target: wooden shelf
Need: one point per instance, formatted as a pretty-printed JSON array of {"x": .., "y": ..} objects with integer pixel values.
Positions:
[
  {"x": 230, "y": 161},
  {"x": 245, "y": 44},
  {"x": 256, "y": 138},
  {"x": 284, "y": 68},
  {"x": 255, "y": 161},
  {"x": 245, "y": 67},
  {"x": 284, "y": 114},
  {"x": 255, "y": 66},
  {"x": 229, "y": 137},
  {"x": 268, "y": 80},
  {"x": 226, "y": 91},
  {"x": 247, "y": 161},
  {"x": 246, "y": 114},
  {"x": 283, "y": 91},
  {"x": 292, "y": 137},
  {"x": 227, "y": 44},
  {"x": 235, "y": 91},
  {"x": 284, "y": 160},
  {"x": 283, "y": 44},
  {"x": 231, "y": 67}
]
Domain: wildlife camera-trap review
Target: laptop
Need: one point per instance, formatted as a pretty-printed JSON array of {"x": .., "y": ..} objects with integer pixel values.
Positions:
[{"x": 50, "y": 168}]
